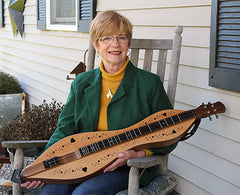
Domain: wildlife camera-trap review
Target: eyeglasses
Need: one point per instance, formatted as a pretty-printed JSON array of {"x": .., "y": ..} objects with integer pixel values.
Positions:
[{"x": 109, "y": 39}]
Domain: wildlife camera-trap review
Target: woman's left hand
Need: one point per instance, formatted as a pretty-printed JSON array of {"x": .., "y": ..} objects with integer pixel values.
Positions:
[{"x": 123, "y": 157}]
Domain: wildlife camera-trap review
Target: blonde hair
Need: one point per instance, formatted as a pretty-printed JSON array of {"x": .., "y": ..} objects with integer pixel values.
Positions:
[{"x": 109, "y": 23}]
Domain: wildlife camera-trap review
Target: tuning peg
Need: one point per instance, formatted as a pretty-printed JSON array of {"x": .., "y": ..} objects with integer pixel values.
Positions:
[
  {"x": 210, "y": 118},
  {"x": 204, "y": 105},
  {"x": 216, "y": 116}
]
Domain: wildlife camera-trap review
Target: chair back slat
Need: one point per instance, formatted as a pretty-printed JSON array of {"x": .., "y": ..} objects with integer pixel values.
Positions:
[
  {"x": 147, "y": 63},
  {"x": 161, "y": 65},
  {"x": 134, "y": 56}
]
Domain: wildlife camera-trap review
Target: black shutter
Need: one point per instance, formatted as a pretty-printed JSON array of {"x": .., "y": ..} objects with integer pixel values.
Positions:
[
  {"x": 41, "y": 14},
  {"x": 225, "y": 45},
  {"x": 86, "y": 13},
  {"x": 1, "y": 14}
]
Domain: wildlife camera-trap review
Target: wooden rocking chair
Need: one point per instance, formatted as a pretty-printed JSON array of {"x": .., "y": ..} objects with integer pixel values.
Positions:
[{"x": 162, "y": 184}]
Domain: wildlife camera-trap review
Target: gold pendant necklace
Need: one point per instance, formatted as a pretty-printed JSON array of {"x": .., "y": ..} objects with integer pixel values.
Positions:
[{"x": 109, "y": 94}]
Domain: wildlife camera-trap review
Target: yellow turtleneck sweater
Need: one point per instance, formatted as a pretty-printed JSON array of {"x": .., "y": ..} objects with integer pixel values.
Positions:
[{"x": 110, "y": 81}]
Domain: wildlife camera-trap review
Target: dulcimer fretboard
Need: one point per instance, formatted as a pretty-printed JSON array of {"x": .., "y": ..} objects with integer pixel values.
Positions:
[{"x": 134, "y": 133}]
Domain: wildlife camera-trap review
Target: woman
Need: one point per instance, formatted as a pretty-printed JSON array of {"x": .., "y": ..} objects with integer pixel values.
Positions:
[{"x": 114, "y": 96}]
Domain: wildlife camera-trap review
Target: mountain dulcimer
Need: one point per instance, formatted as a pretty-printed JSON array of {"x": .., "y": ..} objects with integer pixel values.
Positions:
[{"x": 84, "y": 155}]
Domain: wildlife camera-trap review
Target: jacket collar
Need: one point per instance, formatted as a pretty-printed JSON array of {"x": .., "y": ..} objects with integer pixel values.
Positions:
[
  {"x": 92, "y": 94},
  {"x": 126, "y": 83}
]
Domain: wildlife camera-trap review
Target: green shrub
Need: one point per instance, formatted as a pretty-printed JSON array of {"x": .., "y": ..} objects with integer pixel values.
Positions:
[
  {"x": 37, "y": 123},
  {"x": 9, "y": 84}
]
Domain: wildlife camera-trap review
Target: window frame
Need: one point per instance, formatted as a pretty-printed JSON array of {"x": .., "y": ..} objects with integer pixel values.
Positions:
[
  {"x": 84, "y": 18},
  {"x": 220, "y": 77},
  {"x": 61, "y": 27}
]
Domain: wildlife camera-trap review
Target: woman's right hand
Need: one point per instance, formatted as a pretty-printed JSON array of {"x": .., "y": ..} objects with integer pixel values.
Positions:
[{"x": 32, "y": 184}]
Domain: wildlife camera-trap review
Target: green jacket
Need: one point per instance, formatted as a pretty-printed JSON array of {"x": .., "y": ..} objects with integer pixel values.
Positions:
[{"x": 139, "y": 95}]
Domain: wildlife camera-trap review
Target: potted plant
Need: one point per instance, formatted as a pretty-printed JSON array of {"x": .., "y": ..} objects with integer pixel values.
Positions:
[
  {"x": 12, "y": 98},
  {"x": 37, "y": 123}
]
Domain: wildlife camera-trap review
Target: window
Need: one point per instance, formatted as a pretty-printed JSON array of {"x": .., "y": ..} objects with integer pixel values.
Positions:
[
  {"x": 1, "y": 14},
  {"x": 61, "y": 15},
  {"x": 225, "y": 45},
  {"x": 74, "y": 15}
]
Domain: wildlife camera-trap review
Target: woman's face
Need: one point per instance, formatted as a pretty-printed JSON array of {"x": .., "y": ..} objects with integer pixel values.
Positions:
[{"x": 113, "y": 49}]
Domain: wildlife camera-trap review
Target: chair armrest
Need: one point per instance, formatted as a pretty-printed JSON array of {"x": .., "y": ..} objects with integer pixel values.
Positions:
[
  {"x": 24, "y": 144},
  {"x": 162, "y": 184},
  {"x": 148, "y": 161}
]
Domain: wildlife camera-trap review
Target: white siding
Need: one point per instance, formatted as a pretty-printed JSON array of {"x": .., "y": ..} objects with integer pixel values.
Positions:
[
  {"x": 207, "y": 163},
  {"x": 41, "y": 60}
]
